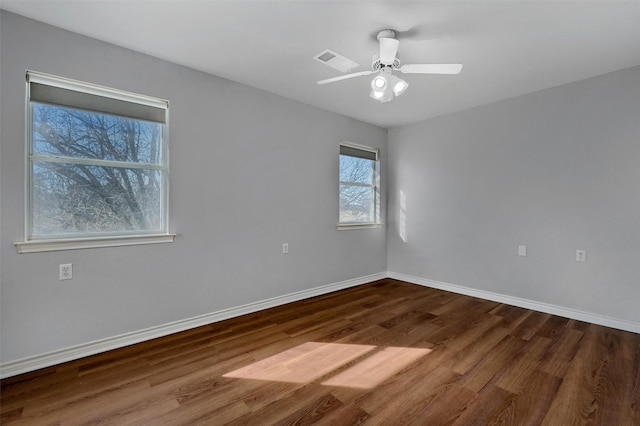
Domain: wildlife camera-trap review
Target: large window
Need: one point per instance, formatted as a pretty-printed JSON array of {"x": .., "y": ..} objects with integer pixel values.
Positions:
[
  {"x": 97, "y": 166},
  {"x": 359, "y": 186}
]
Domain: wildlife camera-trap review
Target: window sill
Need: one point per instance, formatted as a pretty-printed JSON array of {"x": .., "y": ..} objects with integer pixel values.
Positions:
[
  {"x": 347, "y": 226},
  {"x": 84, "y": 243}
]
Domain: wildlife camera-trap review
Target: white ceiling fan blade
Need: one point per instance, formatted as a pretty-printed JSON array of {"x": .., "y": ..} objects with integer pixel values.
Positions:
[
  {"x": 388, "y": 50},
  {"x": 431, "y": 68},
  {"x": 345, "y": 77}
]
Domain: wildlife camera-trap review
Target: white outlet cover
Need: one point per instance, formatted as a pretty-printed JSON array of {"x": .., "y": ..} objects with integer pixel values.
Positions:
[
  {"x": 522, "y": 250},
  {"x": 65, "y": 271},
  {"x": 581, "y": 256}
]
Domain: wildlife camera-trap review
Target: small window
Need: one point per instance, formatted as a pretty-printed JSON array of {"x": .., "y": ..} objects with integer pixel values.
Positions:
[
  {"x": 359, "y": 187},
  {"x": 97, "y": 163}
]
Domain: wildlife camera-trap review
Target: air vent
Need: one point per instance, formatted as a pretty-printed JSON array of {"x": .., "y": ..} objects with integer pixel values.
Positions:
[{"x": 336, "y": 61}]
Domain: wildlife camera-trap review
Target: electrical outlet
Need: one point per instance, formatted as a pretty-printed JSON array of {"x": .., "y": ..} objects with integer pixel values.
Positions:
[
  {"x": 522, "y": 250},
  {"x": 581, "y": 256},
  {"x": 285, "y": 248},
  {"x": 66, "y": 271}
]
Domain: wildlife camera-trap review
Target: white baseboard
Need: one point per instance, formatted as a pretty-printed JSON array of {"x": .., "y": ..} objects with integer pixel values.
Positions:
[
  {"x": 24, "y": 365},
  {"x": 606, "y": 321}
]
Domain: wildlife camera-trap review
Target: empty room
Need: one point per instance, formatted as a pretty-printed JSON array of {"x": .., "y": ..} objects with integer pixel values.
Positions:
[{"x": 319, "y": 212}]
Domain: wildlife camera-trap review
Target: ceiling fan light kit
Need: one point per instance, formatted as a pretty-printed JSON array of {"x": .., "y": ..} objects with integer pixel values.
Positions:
[{"x": 385, "y": 85}]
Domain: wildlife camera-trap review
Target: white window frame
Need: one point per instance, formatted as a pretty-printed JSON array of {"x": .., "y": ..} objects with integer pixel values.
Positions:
[
  {"x": 367, "y": 150},
  {"x": 30, "y": 244}
]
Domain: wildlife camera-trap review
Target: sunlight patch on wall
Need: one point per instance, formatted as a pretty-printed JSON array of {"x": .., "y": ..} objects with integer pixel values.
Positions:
[
  {"x": 402, "y": 218},
  {"x": 312, "y": 360}
]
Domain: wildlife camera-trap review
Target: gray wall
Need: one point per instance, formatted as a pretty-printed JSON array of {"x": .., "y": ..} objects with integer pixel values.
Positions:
[
  {"x": 557, "y": 170},
  {"x": 249, "y": 171}
]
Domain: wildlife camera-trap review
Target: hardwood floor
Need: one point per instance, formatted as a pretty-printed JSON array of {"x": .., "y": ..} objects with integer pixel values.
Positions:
[{"x": 383, "y": 353}]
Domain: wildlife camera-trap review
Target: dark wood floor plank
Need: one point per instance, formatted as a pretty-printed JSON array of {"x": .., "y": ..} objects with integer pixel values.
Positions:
[
  {"x": 351, "y": 415},
  {"x": 446, "y": 407},
  {"x": 500, "y": 356},
  {"x": 196, "y": 413},
  {"x": 23, "y": 387},
  {"x": 531, "y": 404},
  {"x": 478, "y": 349},
  {"x": 573, "y": 403},
  {"x": 552, "y": 327},
  {"x": 477, "y": 328},
  {"x": 405, "y": 402},
  {"x": 279, "y": 409},
  {"x": 515, "y": 374},
  {"x": 387, "y": 352},
  {"x": 561, "y": 353},
  {"x": 483, "y": 408},
  {"x": 313, "y": 412},
  {"x": 512, "y": 316},
  {"x": 530, "y": 326},
  {"x": 90, "y": 408},
  {"x": 635, "y": 391}
]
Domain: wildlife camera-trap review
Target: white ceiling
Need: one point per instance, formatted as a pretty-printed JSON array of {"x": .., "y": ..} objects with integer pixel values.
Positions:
[{"x": 508, "y": 48}]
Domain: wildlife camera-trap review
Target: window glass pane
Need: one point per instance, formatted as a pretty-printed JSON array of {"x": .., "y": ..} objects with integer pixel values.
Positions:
[
  {"x": 353, "y": 169},
  {"x": 68, "y": 132},
  {"x": 79, "y": 199},
  {"x": 357, "y": 204}
]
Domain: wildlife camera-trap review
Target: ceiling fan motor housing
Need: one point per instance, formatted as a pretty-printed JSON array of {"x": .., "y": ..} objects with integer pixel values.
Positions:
[
  {"x": 388, "y": 55},
  {"x": 386, "y": 34}
]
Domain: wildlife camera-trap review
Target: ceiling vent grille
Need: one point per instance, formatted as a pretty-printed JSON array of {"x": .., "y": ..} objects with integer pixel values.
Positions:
[{"x": 335, "y": 61}]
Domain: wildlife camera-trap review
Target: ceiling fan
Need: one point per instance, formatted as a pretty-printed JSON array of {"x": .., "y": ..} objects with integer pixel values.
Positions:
[{"x": 385, "y": 85}]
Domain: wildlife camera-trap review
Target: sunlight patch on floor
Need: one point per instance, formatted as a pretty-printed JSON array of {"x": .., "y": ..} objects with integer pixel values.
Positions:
[
  {"x": 312, "y": 360},
  {"x": 303, "y": 363},
  {"x": 376, "y": 368}
]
